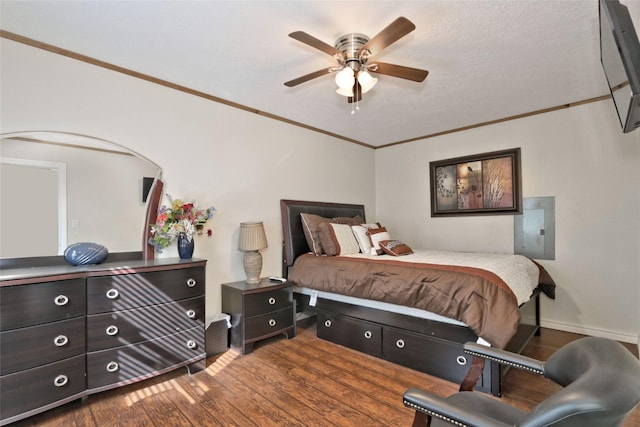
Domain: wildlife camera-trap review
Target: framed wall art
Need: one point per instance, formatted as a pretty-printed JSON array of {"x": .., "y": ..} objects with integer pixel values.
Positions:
[{"x": 482, "y": 184}]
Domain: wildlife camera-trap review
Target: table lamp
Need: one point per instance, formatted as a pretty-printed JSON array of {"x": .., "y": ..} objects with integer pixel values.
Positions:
[{"x": 252, "y": 240}]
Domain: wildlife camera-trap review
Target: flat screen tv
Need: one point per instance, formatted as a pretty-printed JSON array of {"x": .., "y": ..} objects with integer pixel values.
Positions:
[{"x": 620, "y": 57}]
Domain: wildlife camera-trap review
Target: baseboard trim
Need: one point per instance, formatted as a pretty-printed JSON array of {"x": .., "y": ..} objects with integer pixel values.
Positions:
[{"x": 594, "y": 332}]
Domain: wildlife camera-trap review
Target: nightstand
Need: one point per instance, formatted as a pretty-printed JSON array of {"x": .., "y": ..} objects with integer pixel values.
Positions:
[{"x": 258, "y": 311}]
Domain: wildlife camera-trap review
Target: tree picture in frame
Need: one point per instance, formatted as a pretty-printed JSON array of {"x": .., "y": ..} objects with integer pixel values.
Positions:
[{"x": 481, "y": 184}]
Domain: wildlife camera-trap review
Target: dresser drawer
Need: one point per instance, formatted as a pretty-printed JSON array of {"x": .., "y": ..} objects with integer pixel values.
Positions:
[
  {"x": 264, "y": 302},
  {"x": 426, "y": 354},
  {"x": 119, "y": 328},
  {"x": 269, "y": 323},
  {"x": 38, "y": 345},
  {"x": 136, "y": 361},
  {"x": 28, "y": 305},
  {"x": 125, "y": 291},
  {"x": 343, "y": 329},
  {"x": 30, "y": 389}
]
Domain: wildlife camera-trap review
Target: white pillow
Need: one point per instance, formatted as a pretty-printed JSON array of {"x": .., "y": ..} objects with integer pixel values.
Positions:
[
  {"x": 377, "y": 235},
  {"x": 360, "y": 231}
]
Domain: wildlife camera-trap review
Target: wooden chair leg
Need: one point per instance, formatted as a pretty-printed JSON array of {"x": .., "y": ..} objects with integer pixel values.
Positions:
[{"x": 421, "y": 420}]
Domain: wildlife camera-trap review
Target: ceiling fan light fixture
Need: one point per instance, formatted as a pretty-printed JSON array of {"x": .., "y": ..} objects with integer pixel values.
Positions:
[
  {"x": 345, "y": 78},
  {"x": 366, "y": 80},
  {"x": 345, "y": 91}
]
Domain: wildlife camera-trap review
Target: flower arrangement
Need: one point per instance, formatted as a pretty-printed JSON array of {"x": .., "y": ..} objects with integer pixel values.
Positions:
[{"x": 179, "y": 218}]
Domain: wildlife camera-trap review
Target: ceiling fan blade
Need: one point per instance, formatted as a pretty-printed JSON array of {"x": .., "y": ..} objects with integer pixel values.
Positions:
[
  {"x": 415, "y": 74},
  {"x": 392, "y": 33},
  {"x": 307, "y": 39},
  {"x": 309, "y": 76}
]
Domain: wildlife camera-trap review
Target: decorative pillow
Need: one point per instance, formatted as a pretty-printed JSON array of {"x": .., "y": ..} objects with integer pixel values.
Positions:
[
  {"x": 395, "y": 247},
  {"x": 337, "y": 239},
  {"x": 347, "y": 220},
  {"x": 360, "y": 231},
  {"x": 310, "y": 226},
  {"x": 377, "y": 235}
]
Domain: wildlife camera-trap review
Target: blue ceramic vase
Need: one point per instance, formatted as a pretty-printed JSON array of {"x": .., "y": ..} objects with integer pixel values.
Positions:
[
  {"x": 185, "y": 246},
  {"x": 84, "y": 253}
]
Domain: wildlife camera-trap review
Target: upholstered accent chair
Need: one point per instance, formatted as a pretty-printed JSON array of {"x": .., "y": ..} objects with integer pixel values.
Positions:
[{"x": 600, "y": 380}]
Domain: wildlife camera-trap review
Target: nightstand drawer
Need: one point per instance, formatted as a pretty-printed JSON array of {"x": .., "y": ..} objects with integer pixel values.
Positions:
[
  {"x": 119, "y": 328},
  {"x": 126, "y": 291},
  {"x": 264, "y": 302},
  {"x": 38, "y": 345},
  {"x": 28, "y": 305},
  {"x": 265, "y": 324}
]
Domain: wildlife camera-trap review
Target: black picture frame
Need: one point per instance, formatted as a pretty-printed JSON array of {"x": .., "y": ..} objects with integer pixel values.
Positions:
[{"x": 480, "y": 184}]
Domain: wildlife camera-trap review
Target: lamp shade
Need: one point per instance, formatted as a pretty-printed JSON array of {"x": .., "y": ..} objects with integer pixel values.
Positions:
[
  {"x": 252, "y": 236},
  {"x": 345, "y": 78},
  {"x": 366, "y": 80}
]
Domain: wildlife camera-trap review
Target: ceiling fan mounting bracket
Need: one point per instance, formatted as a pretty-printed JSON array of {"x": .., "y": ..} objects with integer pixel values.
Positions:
[{"x": 349, "y": 45}]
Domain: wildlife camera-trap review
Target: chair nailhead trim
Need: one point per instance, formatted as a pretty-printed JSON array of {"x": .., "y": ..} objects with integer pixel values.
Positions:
[
  {"x": 434, "y": 414},
  {"x": 506, "y": 362}
]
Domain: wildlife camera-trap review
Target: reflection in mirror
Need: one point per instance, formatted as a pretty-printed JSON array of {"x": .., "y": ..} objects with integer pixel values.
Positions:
[{"x": 57, "y": 189}]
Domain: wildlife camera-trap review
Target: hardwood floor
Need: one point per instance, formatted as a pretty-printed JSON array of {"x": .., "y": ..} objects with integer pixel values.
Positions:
[{"x": 299, "y": 382}]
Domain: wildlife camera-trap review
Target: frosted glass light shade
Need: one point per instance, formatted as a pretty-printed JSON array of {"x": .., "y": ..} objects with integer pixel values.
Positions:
[
  {"x": 345, "y": 91},
  {"x": 366, "y": 80},
  {"x": 345, "y": 78}
]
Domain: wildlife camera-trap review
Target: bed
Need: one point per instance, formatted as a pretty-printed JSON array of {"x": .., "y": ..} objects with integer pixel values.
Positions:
[{"x": 400, "y": 330}]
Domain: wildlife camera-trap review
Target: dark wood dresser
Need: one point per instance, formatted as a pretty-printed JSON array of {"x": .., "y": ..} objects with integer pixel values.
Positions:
[{"x": 69, "y": 331}]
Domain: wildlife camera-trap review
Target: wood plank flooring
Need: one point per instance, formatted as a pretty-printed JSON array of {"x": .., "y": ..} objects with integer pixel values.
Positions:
[{"x": 304, "y": 381}]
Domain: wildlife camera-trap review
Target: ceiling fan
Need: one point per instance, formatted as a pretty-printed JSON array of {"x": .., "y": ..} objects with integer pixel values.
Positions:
[{"x": 353, "y": 53}]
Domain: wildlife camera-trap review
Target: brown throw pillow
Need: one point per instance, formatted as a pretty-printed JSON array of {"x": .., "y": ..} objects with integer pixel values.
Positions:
[
  {"x": 395, "y": 247},
  {"x": 310, "y": 226},
  {"x": 348, "y": 220}
]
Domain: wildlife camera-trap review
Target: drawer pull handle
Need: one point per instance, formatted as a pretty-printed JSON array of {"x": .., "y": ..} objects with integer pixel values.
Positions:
[
  {"x": 60, "y": 340},
  {"x": 272, "y": 322},
  {"x": 191, "y": 344},
  {"x": 112, "y": 330},
  {"x": 272, "y": 301},
  {"x": 461, "y": 360},
  {"x": 327, "y": 323},
  {"x": 112, "y": 366},
  {"x": 191, "y": 282},
  {"x": 368, "y": 334},
  {"x": 113, "y": 294},
  {"x": 61, "y": 300},
  {"x": 400, "y": 343},
  {"x": 191, "y": 314},
  {"x": 60, "y": 380}
]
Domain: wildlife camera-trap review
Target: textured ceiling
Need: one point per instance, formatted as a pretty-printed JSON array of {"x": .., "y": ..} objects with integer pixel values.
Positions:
[{"x": 487, "y": 59}]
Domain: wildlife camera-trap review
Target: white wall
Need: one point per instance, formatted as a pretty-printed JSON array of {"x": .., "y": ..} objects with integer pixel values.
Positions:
[
  {"x": 243, "y": 164},
  {"x": 580, "y": 156},
  {"x": 239, "y": 162}
]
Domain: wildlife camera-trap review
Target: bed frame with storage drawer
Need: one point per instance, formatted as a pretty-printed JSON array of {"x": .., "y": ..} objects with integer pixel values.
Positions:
[
  {"x": 67, "y": 332},
  {"x": 422, "y": 344}
]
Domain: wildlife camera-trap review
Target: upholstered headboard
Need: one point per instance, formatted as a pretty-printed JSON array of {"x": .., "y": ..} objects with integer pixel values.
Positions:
[{"x": 294, "y": 242}]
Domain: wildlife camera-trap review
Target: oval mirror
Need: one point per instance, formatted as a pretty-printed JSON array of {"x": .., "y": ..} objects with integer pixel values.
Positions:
[{"x": 57, "y": 189}]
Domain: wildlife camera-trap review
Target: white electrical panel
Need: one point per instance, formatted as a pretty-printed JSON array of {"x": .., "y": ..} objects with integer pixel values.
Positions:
[{"x": 535, "y": 230}]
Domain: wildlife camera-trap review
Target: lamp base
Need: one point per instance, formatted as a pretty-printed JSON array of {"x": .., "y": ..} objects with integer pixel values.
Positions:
[{"x": 252, "y": 262}]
